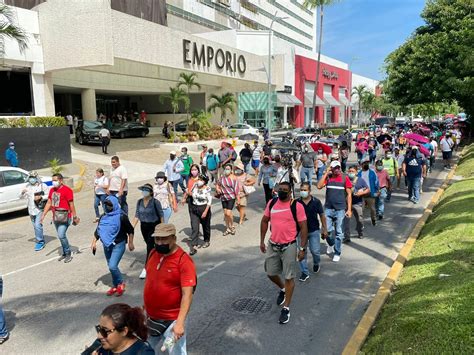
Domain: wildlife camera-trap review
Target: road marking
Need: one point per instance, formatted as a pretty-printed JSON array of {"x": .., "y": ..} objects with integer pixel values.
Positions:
[
  {"x": 30, "y": 266},
  {"x": 210, "y": 269}
]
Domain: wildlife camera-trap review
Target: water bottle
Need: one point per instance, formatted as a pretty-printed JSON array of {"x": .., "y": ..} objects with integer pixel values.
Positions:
[{"x": 168, "y": 343}]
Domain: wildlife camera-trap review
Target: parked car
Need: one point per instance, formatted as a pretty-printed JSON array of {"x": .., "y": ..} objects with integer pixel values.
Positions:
[
  {"x": 239, "y": 129},
  {"x": 88, "y": 132},
  {"x": 181, "y": 126},
  {"x": 129, "y": 129},
  {"x": 12, "y": 182}
]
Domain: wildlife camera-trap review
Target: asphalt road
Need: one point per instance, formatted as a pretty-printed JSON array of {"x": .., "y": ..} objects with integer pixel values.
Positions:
[{"x": 52, "y": 307}]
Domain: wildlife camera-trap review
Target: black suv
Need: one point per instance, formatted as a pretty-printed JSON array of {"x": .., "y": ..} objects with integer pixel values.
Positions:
[{"x": 88, "y": 132}]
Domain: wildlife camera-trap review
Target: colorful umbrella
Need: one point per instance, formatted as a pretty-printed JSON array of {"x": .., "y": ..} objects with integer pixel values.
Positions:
[
  {"x": 384, "y": 137},
  {"x": 416, "y": 137},
  {"x": 422, "y": 149},
  {"x": 319, "y": 145}
]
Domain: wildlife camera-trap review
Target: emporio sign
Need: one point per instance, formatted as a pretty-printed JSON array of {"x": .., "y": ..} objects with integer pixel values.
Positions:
[
  {"x": 203, "y": 56},
  {"x": 330, "y": 74}
]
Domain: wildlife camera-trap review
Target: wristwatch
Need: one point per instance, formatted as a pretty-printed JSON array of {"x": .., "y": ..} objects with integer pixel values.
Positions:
[{"x": 302, "y": 248}]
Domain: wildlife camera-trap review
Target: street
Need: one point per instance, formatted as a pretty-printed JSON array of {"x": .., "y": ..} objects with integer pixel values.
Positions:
[{"x": 52, "y": 307}]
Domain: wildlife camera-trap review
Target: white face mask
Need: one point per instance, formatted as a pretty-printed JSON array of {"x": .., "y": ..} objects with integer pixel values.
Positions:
[
  {"x": 160, "y": 181},
  {"x": 56, "y": 183},
  {"x": 200, "y": 183}
]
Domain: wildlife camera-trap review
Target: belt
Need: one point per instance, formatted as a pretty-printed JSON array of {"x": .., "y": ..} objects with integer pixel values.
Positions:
[{"x": 280, "y": 246}]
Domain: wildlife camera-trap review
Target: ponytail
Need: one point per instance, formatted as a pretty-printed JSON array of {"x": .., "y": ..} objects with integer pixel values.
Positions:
[{"x": 122, "y": 315}]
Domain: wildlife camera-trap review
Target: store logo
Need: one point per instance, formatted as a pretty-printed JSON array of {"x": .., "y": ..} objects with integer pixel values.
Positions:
[
  {"x": 330, "y": 74},
  {"x": 202, "y": 55}
]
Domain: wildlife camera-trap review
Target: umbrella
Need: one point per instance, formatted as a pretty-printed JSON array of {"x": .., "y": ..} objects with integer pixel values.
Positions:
[
  {"x": 248, "y": 137},
  {"x": 316, "y": 146},
  {"x": 416, "y": 137},
  {"x": 422, "y": 149},
  {"x": 384, "y": 137}
]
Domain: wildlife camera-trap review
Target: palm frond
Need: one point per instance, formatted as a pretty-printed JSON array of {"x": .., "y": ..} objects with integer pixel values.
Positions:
[{"x": 9, "y": 29}]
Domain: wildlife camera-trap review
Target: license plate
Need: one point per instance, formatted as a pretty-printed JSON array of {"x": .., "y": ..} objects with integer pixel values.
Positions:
[{"x": 96, "y": 138}]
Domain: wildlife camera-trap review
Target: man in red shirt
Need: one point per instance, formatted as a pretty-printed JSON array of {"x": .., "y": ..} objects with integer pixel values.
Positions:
[
  {"x": 61, "y": 202},
  {"x": 169, "y": 286},
  {"x": 287, "y": 217},
  {"x": 384, "y": 186}
]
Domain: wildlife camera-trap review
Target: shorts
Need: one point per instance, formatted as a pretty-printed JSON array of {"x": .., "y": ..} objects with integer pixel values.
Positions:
[
  {"x": 447, "y": 155},
  {"x": 281, "y": 263},
  {"x": 243, "y": 201},
  {"x": 255, "y": 163},
  {"x": 228, "y": 205}
]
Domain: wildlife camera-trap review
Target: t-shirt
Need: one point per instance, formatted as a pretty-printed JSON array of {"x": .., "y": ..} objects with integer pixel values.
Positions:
[
  {"x": 165, "y": 276},
  {"x": 245, "y": 155},
  {"x": 307, "y": 159},
  {"x": 60, "y": 198},
  {"x": 414, "y": 166},
  {"x": 139, "y": 347},
  {"x": 212, "y": 161},
  {"x": 281, "y": 219},
  {"x": 390, "y": 165},
  {"x": 257, "y": 151},
  {"x": 115, "y": 178},
  {"x": 335, "y": 192},
  {"x": 187, "y": 162},
  {"x": 104, "y": 132},
  {"x": 98, "y": 185},
  {"x": 359, "y": 185},
  {"x": 383, "y": 177},
  {"x": 313, "y": 209},
  {"x": 225, "y": 154},
  {"x": 446, "y": 144}
]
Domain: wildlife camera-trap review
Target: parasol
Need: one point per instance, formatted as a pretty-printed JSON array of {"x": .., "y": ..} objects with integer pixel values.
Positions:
[
  {"x": 422, "y": 149},
  {"x": 384, "y": 137},
  {"x": 248, "y": 137},
  {"x": 319, "y": 145},
  {"x": 416, "y": 137}
]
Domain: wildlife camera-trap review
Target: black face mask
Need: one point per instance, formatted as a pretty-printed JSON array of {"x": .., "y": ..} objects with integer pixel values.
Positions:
[
  {"x": 163, "y": 248},
  {"x": 365, "y": 167},
  {"x": 172, "y": 157},
  {"x": 283, "y": 195},
  {"x": 108, "y": 208}
]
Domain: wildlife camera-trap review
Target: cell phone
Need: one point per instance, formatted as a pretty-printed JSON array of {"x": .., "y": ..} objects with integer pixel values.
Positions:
[{"x": 93, "y": 251}]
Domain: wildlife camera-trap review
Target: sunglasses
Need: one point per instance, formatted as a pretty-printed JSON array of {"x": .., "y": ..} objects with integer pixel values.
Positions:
[{"x": 104, "y": 332}]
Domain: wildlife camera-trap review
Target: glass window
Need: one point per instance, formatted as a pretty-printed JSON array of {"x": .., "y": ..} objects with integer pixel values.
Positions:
[{"x": 13, "y": 177}]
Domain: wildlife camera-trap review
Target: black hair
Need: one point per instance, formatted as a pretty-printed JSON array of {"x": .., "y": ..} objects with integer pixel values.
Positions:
[
  {"x": 116, "y": 158},
  {"x": 285, "y": 183},
  {"x": 356, "y": 167},
  {"x": 123, "y": 315},
  {"x": 185, "y": 149},
  {"x": 100, "y": 170},
  {"x": 304, "y": 184},
  {"x": 58, "y": 175},
  {"x": 228, "y": 164},
  {"x": 194, "y": 166},
  {"x": 203, "y": 178},
  {"x": 379, "y": 162}
]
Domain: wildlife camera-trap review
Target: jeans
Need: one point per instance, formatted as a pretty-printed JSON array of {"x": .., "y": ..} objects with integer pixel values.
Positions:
[
  {"x": 105, "y": 142},
  {"x": 122, "y": 200},
  {"x": 357, "y": 214},
  {"x": 321, "y": 171},
  {"x": 306, "y": 174},
  {"x": 335, "y": 219},
  {"x": 314, "y": 247},
  {"x": 175, "y": 186},
  {"x": 38, "y": 227},
  {"x": 3, "y": 325},
  {"x": 414, "y": 188},
  {"x": 167, "y": 214},
  {"x": 179, "y": 347},
  {"x": 393, "y": 183},
  {"x": 247, "y": 167},
  {"x": 113, "y": 255},
  {"x": 380, "y": 201},
  {"x": 99, "y": 200},
  {"x": 268, "y": 193},
  {"x": 183, "y": 182},
  {"x": 61, "y": 229}
]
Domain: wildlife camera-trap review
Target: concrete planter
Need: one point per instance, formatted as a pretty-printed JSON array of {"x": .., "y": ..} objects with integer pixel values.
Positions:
[{"x": 36, "y": 145}]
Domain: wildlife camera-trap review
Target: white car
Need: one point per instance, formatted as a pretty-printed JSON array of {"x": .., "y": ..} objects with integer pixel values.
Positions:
[
  {"x": 12, "y": 182},
  {"x": 239, "y": 129}
]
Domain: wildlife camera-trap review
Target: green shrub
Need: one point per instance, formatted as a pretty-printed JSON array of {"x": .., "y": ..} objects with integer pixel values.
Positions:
[
  {"x": 22, "y": 122},
  {"x": 4, "y": 123},
  {"x": 19, "y": 122},
  {"x": 55, "y": 166}
]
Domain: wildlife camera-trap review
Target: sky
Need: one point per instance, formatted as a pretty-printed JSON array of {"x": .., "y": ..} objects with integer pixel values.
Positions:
[{"x": 363, "y": 32}]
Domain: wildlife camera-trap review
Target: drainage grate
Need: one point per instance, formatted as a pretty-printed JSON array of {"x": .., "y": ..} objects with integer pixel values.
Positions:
[{"x": 251, "y": 305}]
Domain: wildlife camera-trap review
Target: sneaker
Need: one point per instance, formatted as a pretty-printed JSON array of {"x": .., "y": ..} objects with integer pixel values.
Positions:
[
  {"x": 316, "y": 268},
  {"x": 380, "y": 216},
  {"x": 62, "y": 257},
  {"x": 284, "y": 315},
  {"x": 143, "y": 274},
  {"x": 4, "y": 338},
  {"x": 303, "y": 277},
  {"x": 329, "y": 250},
  {"x": 361, "y": 235},
  {"x": 336, "y": 258},
  {"x": 68, "y": 258},
  {"x": 206, "y": 245},
  {"x": 346, "y": 240},
  {"x": 39, "y": 246},
  {"x": 111, "y": 291},
  {"x": 120, "y": 289},
  {"x": 281, "y": 298}
]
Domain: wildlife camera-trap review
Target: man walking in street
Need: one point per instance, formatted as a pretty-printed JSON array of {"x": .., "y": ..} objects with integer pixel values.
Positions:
[
  {"x": 390, "y": 164},
  {"x": 313, "y": 208},
  {"x": 308, "y": 161},
  {"x": 447, "y": 145},
  {"x": 104, "y": 135},
  {"x": 118, "y": 182},
  {"x": 286, "y": 217},
  {"x": 11, "y": 156},
  {"x": 359, "y": 189},
  {"x": 414, "y": 168},
  {"x": 169, "y": 287},
  {"x": 371, "y": 179},
  {"x": 61, "y": 202},
  {"x": 338, "y": 205},
  {"x": 173, "y": 168},
  {"x": 187, "y": 162}
]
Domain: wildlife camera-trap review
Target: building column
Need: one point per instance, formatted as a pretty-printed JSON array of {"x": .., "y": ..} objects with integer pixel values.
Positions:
[
  {"x": 89, "y": 109},
  {"x": 285, "y": 116},
  {"x": 49, "y": 108}
]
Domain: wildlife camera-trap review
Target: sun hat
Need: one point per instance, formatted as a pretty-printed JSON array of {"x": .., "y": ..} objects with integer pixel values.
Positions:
[
  {"x": 146, "y": 187},
  {"x": 164, "y": 230}
]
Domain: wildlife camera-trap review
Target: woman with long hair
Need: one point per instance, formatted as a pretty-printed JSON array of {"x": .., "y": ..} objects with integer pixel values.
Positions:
[
  {"x": 246, "y": 183},
  {"x": 228, "y": 188}
]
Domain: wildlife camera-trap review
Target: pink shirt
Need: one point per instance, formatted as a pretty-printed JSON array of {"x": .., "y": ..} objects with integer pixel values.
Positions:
[
  {"x": 282, "y": 221},
  {"x": 384, "y": 178}
]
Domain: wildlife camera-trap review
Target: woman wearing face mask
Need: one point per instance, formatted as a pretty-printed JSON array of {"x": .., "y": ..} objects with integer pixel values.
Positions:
[
  {"x": 200, "y": 212},
  {"x": 246, "y": 184},
  {"x": 36, "y": 194},
  {"x": 193, "y": 178},
  {"x": 114, "y": 230},
  {"x": 121, "y": 330},
  {"x": 163, "y": 192},
  {"x": 267, "y": 175},
  {"x": 228, "y": 188},
  {"x": 149, "y": 213}
]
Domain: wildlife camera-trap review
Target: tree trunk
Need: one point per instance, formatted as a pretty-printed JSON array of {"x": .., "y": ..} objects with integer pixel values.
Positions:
[{"x": 318, "y": 65}]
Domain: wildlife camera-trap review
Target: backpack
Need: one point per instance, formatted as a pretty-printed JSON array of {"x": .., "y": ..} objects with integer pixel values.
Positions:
[{"x": 292, "y": 208}]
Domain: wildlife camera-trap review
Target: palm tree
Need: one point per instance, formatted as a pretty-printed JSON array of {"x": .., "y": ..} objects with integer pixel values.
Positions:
[
  {"x": 225, "y": 102},
  {"x": 9, "y": 29},
  {"x": 200, "y": 120},
  {"x": 313, "y": 4},
  {"x": 175, "y": 96},
  {"x": 360, "y": 91},
  {"x": 189, "y": 81}
]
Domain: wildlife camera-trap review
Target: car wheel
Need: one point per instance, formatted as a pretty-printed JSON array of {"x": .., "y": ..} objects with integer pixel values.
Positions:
[
  {"x": 80, "y": 140},
  {"x": 143, "y": 134},
  {"x": 122, "y": 135}
]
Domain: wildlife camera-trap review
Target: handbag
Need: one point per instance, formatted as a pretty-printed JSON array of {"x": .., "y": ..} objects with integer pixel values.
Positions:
[
  {"x": 61, "y": 216},
  {"x": 248, "y": 189}
]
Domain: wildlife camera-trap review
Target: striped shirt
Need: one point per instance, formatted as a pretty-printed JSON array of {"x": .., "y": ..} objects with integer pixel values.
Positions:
[{"x": 230, "y": 188}]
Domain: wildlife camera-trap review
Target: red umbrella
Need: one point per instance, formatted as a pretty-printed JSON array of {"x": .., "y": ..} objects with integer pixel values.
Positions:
[
  {"x": 422, "y": 149},
  {"x": 318, "y": 145},
  {"x": 416, "y": 137}
]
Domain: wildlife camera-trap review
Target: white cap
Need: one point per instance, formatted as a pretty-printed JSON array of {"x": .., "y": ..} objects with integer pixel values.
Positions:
[
  {"x": 414, "y": 147},
  {"x": 335, "y": 163},
  {"x": 173, "y": 152}
]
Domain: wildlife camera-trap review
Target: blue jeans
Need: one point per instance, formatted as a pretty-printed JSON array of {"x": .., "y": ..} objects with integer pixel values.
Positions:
[
  {"x": 38, "y": 227},
  {"x": 414, "y": 188},
  {"x": 99, "y": 200},
  {"x": 306, "y": 174},
  {"x": 167, "y": 214},
  {"x": 335, "y": 220},
  {"x": 122, "y": 200},
  {"x": 314, "y": 247},
  {"x": 179, "y": 347},
  {"x": 183, "y": 182},
  {"x": 113, "y": 255},
  {"x": 393, "y": 183},
  {"x": 321, "y": 171},
  {"x": 175, "y": 185},
  {"x": 61, "y": 229},
  {"x": 380, "y": 201},
  {"x": 3, "y": 325}
]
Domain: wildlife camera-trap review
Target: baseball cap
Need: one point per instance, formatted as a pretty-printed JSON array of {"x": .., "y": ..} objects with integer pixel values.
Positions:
[
  {"x": 164, "y": 230},
  {"x": 173, "y": 152},
  {"x": 11, "y": 143},
  {"x": 335, "y": 163},
  {"x": 414, "y": 147}
]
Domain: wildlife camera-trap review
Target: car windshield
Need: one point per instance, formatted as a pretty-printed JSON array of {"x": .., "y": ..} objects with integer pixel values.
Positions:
[{"x": 92, "y": 125}]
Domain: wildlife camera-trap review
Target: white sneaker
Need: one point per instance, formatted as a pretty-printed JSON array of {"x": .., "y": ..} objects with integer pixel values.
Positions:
[
  {"x": 143, "y": 274},
  {"x": 330, "y": 250},
  {"x": 336, "y": 258}
]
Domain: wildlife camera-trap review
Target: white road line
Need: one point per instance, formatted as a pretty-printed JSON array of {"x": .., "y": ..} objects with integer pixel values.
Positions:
[{"x": 210, "y": 269}]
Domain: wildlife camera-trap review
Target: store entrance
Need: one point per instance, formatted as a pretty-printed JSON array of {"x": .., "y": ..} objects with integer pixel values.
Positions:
[{"x": 256, "y": 119}]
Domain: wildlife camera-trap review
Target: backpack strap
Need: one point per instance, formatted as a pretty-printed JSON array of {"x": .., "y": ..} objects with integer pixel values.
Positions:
[
  {"x": 272, "y": 203},
  {"x": 293, "y": 207}
]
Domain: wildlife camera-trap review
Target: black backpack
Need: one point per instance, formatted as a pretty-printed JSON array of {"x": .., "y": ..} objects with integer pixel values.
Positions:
[{"x": 292, "y": 208}]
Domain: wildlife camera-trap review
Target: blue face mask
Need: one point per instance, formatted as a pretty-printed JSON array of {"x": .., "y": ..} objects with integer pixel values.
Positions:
[
  {"x": 32, "y": 181},
  {"x": 351, "y": 176},
  {"x": 304, "y": 194},
  {"x": 145, "y": 193}
]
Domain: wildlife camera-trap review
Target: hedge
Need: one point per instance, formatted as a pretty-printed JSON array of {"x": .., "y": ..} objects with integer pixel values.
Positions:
[{"x": 23, "y": 122}]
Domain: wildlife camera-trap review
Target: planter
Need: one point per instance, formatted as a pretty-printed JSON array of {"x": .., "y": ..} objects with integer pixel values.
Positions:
[{"x": 69, "y": 181}]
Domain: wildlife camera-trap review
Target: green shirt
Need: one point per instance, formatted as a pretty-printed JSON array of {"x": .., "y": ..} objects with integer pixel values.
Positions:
[
  {"x": 390, "y": 165},
  {"x": 187, "y": 162}
]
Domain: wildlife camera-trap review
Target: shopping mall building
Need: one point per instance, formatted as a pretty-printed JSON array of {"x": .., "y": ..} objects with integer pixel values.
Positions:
[{"x": 88, "y": 57}]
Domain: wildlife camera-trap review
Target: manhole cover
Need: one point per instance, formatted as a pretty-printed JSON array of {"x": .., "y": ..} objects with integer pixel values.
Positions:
[{"x": 251, "y": 305}]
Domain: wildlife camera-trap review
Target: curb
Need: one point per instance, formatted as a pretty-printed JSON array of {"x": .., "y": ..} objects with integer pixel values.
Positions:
[
  {"x": 360, "y": 334},
  {"x": 80, "y": 184}
]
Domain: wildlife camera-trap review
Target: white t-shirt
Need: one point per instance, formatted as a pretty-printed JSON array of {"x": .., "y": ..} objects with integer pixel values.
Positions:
[
  {"x": 99, "y": 183},
  {"x": 256, "y": 152},
  {"x": 434, "y": 145},
  {"x": 104, "y": 132},
  {"x": 69, "y": 119},
  {"x": 115, "y": 178},
  {"x": 446, "y": 144}
]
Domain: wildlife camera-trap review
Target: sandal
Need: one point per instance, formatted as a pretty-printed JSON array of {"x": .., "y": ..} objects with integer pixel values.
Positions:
[
  {"x": 232, "y": 231},
  {"x": 227, "y": 232},
  {"x": 193, "y": 251}
]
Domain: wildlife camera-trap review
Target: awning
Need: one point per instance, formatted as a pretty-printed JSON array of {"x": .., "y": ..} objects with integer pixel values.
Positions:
[
  {"x": 287, "y": 100},
  {"x": 344, "y": 101},
  {"x": 331, "y": 101},
  {"x": 308, "y": 100}
]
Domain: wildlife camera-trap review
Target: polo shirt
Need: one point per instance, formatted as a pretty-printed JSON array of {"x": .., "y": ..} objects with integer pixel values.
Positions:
[
  {"x": 336, "y": 192},
  {"x": 313, "y": 209},
  {"x": 281, "y": 219}
]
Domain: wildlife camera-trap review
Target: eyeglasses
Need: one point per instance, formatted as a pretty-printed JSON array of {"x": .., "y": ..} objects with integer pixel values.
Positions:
[{"x": 104, "y": 332}]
